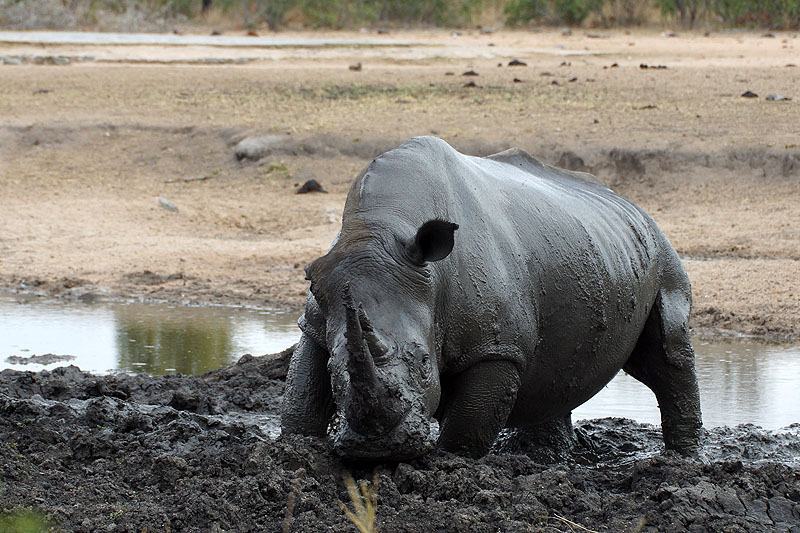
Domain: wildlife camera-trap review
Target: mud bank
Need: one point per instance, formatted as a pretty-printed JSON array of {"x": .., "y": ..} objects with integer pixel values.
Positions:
[{"x": 199, "y": 453}]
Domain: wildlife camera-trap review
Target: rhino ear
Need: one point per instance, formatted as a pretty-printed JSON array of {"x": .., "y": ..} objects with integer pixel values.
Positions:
[{"x": 434, "y": 241}]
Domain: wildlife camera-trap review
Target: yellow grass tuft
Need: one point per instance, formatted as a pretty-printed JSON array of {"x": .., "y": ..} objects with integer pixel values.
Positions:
[{"x": 364, "y": 498}]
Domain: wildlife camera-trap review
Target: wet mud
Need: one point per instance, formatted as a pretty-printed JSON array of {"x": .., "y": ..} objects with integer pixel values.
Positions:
[
  {"x": 201, "y": 453},
  {"x": 43, "y": 359}
]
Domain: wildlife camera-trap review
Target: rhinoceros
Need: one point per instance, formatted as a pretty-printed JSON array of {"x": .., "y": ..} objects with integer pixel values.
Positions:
[{"x": 485, "y": 293}]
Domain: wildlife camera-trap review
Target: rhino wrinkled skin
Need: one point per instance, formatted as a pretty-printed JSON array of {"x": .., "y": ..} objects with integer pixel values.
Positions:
[{"x": 485, "y": 293}]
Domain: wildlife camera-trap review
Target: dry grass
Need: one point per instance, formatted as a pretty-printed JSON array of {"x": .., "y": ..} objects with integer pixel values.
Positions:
[
  {"x": 364, "y": 498},
  {"x": 289, "y": 517}
]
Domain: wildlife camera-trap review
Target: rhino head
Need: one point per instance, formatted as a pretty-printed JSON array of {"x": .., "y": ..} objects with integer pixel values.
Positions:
[{"x": 379, "y": 296}]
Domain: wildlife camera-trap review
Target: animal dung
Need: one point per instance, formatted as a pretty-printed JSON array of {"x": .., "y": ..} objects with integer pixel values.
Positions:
[{"x": 310, "y": 186}]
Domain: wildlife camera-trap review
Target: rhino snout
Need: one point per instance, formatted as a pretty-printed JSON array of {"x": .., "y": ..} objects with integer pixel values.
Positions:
[{"x": 412, "y": 437}]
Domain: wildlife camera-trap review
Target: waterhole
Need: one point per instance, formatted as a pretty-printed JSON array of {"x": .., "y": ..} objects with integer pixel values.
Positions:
[{"x": 740, "y": 382}]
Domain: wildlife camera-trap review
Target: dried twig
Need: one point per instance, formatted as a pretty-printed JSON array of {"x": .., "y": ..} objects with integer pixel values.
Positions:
[
  {"x": 289, "y": 517},
  {"x": 569, "y": 523}
]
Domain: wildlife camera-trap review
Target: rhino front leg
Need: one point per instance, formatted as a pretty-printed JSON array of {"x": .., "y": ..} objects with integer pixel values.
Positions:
[
  {"x": 477, "y": 404},
  {"x": 307, "y": 402}
]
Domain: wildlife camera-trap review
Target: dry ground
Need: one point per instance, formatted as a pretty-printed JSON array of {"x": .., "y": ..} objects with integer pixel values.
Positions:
[{"x": 86, "y": 150}]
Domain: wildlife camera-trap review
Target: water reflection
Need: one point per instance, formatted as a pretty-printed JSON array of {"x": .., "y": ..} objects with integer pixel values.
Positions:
[
  {"x": 133, "y": 337},
  {"x": 740, "y": 383},
  {"x": 170, "y": 340}
]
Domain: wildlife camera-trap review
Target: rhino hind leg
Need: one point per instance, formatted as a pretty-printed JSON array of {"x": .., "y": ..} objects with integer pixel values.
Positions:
[{"x": 663, "y": 360}]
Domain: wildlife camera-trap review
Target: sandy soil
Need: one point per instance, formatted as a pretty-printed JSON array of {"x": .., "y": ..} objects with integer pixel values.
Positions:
[{"x": 88, "y": 148}]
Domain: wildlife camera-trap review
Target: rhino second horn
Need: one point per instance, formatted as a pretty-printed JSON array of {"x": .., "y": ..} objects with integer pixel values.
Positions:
[{"x": 376, "y": 345}]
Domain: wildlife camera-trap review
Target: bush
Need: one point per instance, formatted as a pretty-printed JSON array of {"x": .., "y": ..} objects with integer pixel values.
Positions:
[
  {"x": 571, "y": 12},
  {"x": 349, "y": 13},
  {"x": 520, "y": 12},
  {"x": 574, "y": 12},
  {"x": 137, "y": 15},
  {"x": 737, "y": 13},
  {"x": 759, "y": 13}
]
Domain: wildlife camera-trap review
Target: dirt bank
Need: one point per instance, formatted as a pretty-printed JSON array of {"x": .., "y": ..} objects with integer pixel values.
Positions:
[{"x": 136, "y": 453}]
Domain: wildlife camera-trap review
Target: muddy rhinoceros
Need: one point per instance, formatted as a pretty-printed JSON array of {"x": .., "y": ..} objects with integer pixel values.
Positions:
[{"x": 485, "y": 293}]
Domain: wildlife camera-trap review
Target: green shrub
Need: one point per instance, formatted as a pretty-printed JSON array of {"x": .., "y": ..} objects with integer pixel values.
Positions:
[
  {"x": 759, "y": 13},
  {"x": 574, "y": 12},
  {"x": 344, "y": 13},
  {"x": 520, "y": 12},
  {"x": 687, "y": 10},
  {"x": 571, "y": 12}
]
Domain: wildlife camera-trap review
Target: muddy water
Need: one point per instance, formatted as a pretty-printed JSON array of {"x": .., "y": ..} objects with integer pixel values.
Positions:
[
  {"x": 739, "y": 383},
  {"x": 136, "y": 337}
]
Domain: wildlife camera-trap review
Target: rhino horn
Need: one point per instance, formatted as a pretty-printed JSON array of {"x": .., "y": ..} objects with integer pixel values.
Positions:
[
  {"x": 375, "y": 343},
  {"x": 370, "y": 407},
  {"x": 359, "y": 363}
]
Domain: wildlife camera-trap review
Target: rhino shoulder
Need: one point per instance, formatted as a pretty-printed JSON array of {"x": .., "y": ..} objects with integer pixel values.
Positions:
[{"x": 522, "y": 159}]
